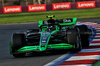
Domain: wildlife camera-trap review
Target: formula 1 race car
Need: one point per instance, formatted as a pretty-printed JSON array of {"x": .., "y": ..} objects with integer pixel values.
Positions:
[{"x": 51, "y": 35}]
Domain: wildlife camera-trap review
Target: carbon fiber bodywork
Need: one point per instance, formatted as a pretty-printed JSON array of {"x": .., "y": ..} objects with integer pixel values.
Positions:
[{"x": 51, "y": 35}]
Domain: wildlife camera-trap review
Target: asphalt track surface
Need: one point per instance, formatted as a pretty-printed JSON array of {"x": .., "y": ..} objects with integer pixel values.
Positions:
[{"x": 6, "y": 31}]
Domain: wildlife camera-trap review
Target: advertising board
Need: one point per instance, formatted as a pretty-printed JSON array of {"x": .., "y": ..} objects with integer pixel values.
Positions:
[
  {"x": 12, "y": 9},
  {"x": 86, "y": 4},
  {"x": 59, "y": 6},
  {"x": 32, "y": 8}
]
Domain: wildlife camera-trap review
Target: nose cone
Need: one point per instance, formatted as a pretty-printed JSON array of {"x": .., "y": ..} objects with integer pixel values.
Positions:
[{"x": 44, "y": 40}]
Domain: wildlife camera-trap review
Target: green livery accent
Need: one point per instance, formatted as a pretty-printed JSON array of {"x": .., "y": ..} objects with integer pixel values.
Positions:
[
  {"x": 70, "y": 23},
  {"x": 50, "y": 46},
  {"x": 74, "y": 20},
  {"x": 28, "y": 48},
  {"x": 48, "y": 37},
  {"x": 40, "y": 23},
  {"x": 10, "y": 47},
  {"x": 43, "y": 47},
  {"x": 61, "y": 46},
  {"x": 44, "y": 28}
]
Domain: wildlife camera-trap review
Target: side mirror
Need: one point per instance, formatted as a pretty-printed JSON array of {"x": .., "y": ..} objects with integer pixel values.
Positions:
[{"x": 40, "y": 23}]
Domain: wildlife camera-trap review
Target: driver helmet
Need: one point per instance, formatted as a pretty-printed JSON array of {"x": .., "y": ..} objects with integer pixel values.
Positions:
[{"x": 50, "y": 28}]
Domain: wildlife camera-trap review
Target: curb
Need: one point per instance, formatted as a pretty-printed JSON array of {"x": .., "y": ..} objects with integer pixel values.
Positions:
[{"x": 87, "y": 56}]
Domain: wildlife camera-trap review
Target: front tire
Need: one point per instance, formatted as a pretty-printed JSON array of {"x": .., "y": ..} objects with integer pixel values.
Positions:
[{"x": 18, "y": 41}]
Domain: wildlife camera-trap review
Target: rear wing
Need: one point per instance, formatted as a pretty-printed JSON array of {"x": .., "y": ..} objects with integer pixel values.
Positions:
[
  {"x": 72, "y": 21},
  {"x": 62, "y": 22}
]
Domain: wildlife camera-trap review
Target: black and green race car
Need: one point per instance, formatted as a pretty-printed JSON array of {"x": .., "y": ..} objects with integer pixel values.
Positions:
[{"x": 51, "y": 35}]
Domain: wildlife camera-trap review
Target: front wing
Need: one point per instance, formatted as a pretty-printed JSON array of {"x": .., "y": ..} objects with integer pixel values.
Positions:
[{"x": 36, "y": 48}]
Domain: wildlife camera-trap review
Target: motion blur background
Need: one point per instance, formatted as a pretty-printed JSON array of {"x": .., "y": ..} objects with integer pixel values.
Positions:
[{"x": 4, "y": 3}]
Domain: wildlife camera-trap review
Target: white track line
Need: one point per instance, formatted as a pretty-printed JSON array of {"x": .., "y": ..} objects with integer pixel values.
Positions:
[
  {"x": 90, "y": 50},
  {"x": 56, "y": 60},
  {"x": 97, "y": 28},
  {"x": 77, "y": 65},
  {"x": 97, "y": 36},
  {"x": 96, "y": 39},
  {"x": 97, "y": 33},
  {"x": 94, "y": 44},
  {"x": 92, "y": 57}
]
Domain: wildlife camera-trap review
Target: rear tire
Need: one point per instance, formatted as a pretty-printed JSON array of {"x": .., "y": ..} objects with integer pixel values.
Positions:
[
  {"x": 74, "y": 39},
  {"x": 84, "y": 34},
  {"x": 18, "y": 41}
]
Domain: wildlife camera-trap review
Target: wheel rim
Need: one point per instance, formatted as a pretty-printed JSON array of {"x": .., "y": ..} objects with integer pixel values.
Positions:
[{"x": 79, "y": 46}]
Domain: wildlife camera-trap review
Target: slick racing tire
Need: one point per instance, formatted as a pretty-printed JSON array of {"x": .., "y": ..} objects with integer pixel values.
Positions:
[
  {"x": 84, "y": 34},
  {"x": 18, "y": 41},
  {"x": 74, "y": 39}
]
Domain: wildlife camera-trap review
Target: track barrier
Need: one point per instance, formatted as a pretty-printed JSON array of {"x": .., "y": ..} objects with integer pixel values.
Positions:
[{"x": 48, "y": 7}]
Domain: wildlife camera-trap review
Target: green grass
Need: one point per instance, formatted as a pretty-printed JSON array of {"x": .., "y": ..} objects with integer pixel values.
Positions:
[
  {"x": 97, "y": 63},
  {"x": 60, "y": 14}
]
